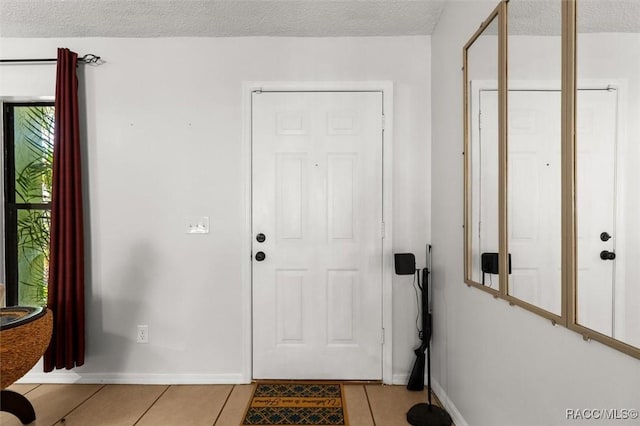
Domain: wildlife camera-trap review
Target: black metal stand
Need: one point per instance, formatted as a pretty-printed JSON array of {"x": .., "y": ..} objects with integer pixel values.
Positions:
[
  {"x": 427, "y": 414},
  {"x": 16, "y": 404}
]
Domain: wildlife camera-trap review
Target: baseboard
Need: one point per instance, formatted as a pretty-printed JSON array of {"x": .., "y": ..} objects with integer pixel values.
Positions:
[
  {"x": 451, "y": 408},
  {"x": 133, "y": 379},
  {"x": 458, "y": 420},
  {"x": 400, "y": 379}
]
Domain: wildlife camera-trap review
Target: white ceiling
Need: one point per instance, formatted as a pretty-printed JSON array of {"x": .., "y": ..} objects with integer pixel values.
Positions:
[
  {"x": 544, "y": 17},
  {"x": 207, "y": 18},
  {"x": 306, "y": 18}
]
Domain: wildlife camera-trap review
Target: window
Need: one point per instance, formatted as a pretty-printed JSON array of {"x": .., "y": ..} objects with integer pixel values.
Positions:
[{"x": 28, "y": 153}]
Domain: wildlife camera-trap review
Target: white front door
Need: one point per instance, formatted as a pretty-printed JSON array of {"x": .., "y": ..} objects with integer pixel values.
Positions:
[{"x": 317, "y": 199}]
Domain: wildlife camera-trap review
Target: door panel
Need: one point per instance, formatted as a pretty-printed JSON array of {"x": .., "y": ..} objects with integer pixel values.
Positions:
[
  {"x": 340, "y": 199},
  {"x": 317, "y": 196},
  {"x": 291, "y": 172},
  {"x": 342, "y": 287},
  {"x": 290, "y": 286}
]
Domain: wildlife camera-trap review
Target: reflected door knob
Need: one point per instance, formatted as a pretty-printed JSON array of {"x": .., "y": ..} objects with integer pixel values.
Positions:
[
  {"x": 605, "y": 236},
  {"x": 607, "y": 255},
  {"x": 260, "y": 256}
]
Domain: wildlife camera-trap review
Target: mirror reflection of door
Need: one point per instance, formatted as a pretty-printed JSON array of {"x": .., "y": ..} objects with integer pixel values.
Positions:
[
  {"x": 534, "y": 173},
  {"x": 596, "y": 208},
  {"x": 485, "y": 149},
  {"x": 606, "y": 292},
  {"x": 482, "y": 76},
  {"x": 534, "y": 197},
  {"x": 608, "y": 53},
  {"x": 534, "y": 192}
]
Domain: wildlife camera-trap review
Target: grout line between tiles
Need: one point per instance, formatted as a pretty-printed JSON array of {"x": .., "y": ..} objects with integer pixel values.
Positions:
[
  {"x": 63, "y": 418},
  {"x": 34, "y": 388},
  {"x": 224, "y": 405},
  {"x": 373, "y": 417},
  {"x": 152, "y": 404}
]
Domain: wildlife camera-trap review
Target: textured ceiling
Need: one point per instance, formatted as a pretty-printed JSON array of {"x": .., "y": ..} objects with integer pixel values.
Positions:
[
  {"x": 621, "y": 16},
  {"x": 167, "y": 18},
  {"x": 310, "y": 18},
  {"x": 544, "y": 17}
]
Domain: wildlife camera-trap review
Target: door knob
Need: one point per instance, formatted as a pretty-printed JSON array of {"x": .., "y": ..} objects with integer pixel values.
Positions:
[
  {"x": 607, "y": 255},
  {"x": 605, "y": 236},
  {"x": 261, "y": 238},
  {"x": 260, "y": 256}
]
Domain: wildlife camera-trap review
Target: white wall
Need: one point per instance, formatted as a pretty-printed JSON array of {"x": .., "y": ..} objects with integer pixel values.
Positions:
[
  {"x": 163, "y": 133},
  {"x": 500, "y": 365}
]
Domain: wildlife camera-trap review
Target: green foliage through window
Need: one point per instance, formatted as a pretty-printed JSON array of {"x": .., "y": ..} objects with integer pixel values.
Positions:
[{"x": 28, "y": 212}]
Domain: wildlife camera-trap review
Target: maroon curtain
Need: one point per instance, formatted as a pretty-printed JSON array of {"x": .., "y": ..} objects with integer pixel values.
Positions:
[{"x": 66, "y": 266}]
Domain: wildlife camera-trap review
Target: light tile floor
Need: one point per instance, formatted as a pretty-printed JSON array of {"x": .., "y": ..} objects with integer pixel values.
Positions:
[{"x": 182, "y": 405}]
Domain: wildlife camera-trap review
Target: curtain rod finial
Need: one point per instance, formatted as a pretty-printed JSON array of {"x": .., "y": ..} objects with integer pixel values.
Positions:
[{"x": 91, "y": 59}]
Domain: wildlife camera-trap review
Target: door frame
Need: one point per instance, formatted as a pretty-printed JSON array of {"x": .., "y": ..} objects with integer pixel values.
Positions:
[{"x": 386, "y": 88}]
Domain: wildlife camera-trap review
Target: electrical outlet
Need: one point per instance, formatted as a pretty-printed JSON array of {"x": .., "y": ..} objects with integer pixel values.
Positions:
[{"x": 143, "y": 334}]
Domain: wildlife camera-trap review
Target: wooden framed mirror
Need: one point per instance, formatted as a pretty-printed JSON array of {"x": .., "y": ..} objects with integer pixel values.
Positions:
[
  {"x": 551, "y": 97},
  {"x": 534, "y": 161},
  {"x": 606, "y": 292},
  {"x": 482, "y": 60}
]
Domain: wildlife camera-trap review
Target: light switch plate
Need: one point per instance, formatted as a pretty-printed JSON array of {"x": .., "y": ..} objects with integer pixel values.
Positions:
[{"x": 197, "y": 225}]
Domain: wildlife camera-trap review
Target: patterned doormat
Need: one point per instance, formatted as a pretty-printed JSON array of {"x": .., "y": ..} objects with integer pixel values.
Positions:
[{"x": 297, "y": 404}]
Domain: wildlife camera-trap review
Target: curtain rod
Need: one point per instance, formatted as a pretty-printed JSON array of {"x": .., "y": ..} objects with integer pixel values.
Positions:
[{"x": 89, "y": 58}]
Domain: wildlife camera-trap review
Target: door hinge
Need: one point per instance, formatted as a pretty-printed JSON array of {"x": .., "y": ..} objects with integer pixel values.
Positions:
[
  {"x": 382, "y": 337},
  {"x": 383, "y": 121},
  {"x": 383, "y": 230}
]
